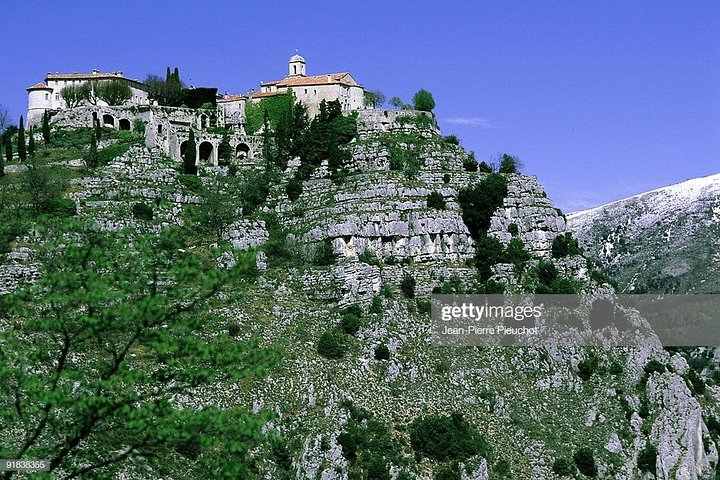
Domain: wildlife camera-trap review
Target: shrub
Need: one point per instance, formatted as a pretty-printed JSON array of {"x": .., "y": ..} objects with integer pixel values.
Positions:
[
  {"x": 564, "y": 467},
  {"x": 142, "y": 211},
  {"x": 516, "y": 254},
  {"x": 376, "y": 306},
  {"x": 615, "y": 368},
  {"x": 447, "y": 438},
  {"x": 446, "y": 178},
  {"x": 368, "y": 257},
  {"x": 478, "y": 203},
  {"x": 294, "y": 188},
  {"x": 407, "y": 286},
  {"x": 653, "y": 366},
  {"x": 488, "y": 252},
  {"x": 382, "y": 352},
  {"x": 436, "y": 200},
  {"x": 713, "y": 426},
  {"x": 587, "y": 367},
  {"x": 485, "y": 168},
  {"x": 585, "y": 461},
  {"x": 695, "y": 382},
  {"x": 350, "y": 323},
  {"x": 451, "y": 139},
  {"x": 647, "y": 459},
  {"x": 139, "y": 126},
  {"x": 448, "y": 472},
  {"x": 513, "y": 229},
  {"x": 424, "y": 306},
  {"x": 470, "y": 164},
  {"x": 234, "y": 330},
  {"x": 423, "y": 101},
  {"x": 331, "y": 344},
  {"x": 324, "y": 253},
  {"x": 564, "y": 245}
]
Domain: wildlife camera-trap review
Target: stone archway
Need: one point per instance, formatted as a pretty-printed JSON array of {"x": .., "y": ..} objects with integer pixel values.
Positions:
[
  {"x": 242, "y": 151},
  {"x": 124, "y": 124},
  {"x": 108, "y": 121},
  {"x": 205, "y": 152}
]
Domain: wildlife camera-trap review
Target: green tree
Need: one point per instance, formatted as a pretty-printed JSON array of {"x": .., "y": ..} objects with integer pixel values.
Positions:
[
  {"x": 46, "y": 127},
  {"x": 189, "y": 166},
  {"x": 98, "y": 130},
  {"x": 225, "y": 151},
  {"x": 2, "y": 165},
  {"x": 31, "y": 142},
  {"x": 44, "y": 186},
  {"x": 565, "y": 245},
  {"x": 91, "y": 387},
  {"x": 585, "y": 461},
  {"x": 8, "y": 149},
  {"x": 396, "y": 102},
  {"x": 509, "y": 164},
  {"x": 74, "y": 95},
  {"x": 92, "y": 159},
  {"x": 423, "y": 101},
  {"x": 374, "y": 98},
  {"x": 113, "y": 92},
  {"x": 22, "y": 152}
]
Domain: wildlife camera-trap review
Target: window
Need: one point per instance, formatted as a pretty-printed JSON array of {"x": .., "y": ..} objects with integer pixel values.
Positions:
[
  {"x": 47, "y": 96},
  {"x": 57, "y": 97},
  {"x": 306, "y": 91}
]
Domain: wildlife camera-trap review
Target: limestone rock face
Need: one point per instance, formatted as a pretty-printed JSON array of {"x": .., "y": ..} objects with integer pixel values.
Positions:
[{"x": 528, "y": 207}]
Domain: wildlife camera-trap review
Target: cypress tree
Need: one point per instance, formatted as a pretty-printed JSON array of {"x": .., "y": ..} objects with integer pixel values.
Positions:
[
  {"x": 92, "y": 158},
  {"x": 22, "y": 153},
  {"x": 168, "y": 76},
  {"x": 189, "y": 166},
  {"x": 8, "y": 149},
  {"x": 176, "y": 75},
  {"x": 31, "y": 143},
  {"x": 46, "y": 127},
  {"x": 98, "y": 130},
  {"x": 2, "y": 165}
]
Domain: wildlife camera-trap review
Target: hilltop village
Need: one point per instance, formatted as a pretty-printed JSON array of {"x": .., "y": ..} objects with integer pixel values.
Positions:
[{"x": 73, "y": 100}]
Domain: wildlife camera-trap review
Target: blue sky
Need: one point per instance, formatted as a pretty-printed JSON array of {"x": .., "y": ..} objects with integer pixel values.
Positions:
[{"x": 599, "y": 99}]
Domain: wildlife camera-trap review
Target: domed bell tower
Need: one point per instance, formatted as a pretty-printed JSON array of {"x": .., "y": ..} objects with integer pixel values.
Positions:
[{"x": 296, "y": 66}]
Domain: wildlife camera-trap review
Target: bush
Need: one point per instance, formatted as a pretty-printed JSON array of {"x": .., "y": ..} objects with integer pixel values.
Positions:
[
  {"x": 564, "y": 245},
  {"x": 653, "y": 366},
  {"x": 451, "y": 139},
  {"x": 376, "y": 306},
  {"x": 294, "y": 188},
  {"x": 424, "y": 306},
  {"x": 139, "y": 126},
  {"x": 478, "y": 203},
  {"x": 407, "y": 286},
  {"x": 513, "y": 229},
  {"x": 447, "y": 438},
  {"x": 368, "y": 257},
  {"x": 516, "y": 254},
  {"x": 331, "y": 345},
  {"x": 436, "y": 200},
  {"x": 350, "y": 323},
  {"x": 485, "y": 168},
  {"x": 585, "y": 462},
  {"x": 142, "y": 211},
  {"x": 587, "y": 367},
  {"x": 448, "y": 472},
  {"x": 234, "y": 330},
  {"x": 488, "y": 252},
  {"x": 470, "y": 164},
  {"x": 446, "y": 178},
  {"x": 564, "y": 467},
  {"x": 647, "y": 459},
  {"x": 382, "y": 352},
  {"x": 695, "y": 382},
  {"x": 324, "y": 253},
  {"x": 423, "y": 101}
]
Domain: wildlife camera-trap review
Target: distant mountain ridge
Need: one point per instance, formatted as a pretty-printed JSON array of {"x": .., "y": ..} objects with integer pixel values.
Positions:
[{"x": 666, "y": 240}]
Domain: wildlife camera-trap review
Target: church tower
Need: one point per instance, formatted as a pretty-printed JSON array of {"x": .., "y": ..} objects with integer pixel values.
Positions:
[{"x": 296, "y": 66}]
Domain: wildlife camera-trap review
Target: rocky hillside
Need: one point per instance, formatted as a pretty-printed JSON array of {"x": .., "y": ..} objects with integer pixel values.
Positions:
[
  {"x": 346, "y": 265},
  {"x": 665, "y": 240}
]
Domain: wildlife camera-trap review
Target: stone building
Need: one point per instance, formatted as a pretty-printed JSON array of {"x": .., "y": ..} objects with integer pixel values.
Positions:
[
  {"x": 311, "y": 90},
  {"x": 46, "y": 96}
]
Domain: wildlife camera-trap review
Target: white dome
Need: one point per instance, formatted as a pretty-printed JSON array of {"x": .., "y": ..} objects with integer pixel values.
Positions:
[{"x": 297, "y": 58}]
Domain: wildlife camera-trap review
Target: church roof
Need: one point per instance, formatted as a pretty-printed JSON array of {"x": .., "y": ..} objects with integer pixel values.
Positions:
[
  {"x": 343, "y": 78},
  {"x": 39, "y": 86}
]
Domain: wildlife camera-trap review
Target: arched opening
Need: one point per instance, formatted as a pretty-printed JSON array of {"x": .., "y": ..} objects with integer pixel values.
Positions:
[
  {"x": 203, "y": 121},
  {"x": 206, "y": 151},
  {"x": 159, "y": 129},
  {"x": 108, "y": 121},
  {"x": 295, "y": 69},
  {"x": 242, "y": 151},
  {"x": 124, "y": 124},
  {"x": 183, "y": 147}
]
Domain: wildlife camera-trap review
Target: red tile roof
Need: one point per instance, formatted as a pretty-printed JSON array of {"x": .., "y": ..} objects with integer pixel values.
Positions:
[
  {"x": 266, "y": 94},
  {"x": 343, "y": 78},
  {"x": 39, "y": 86}
]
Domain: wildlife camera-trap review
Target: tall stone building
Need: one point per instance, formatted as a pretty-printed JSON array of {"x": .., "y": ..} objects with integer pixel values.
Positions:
[
  {"x": 312, "y": 90},
  {"x": 46, "y": 96}
]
